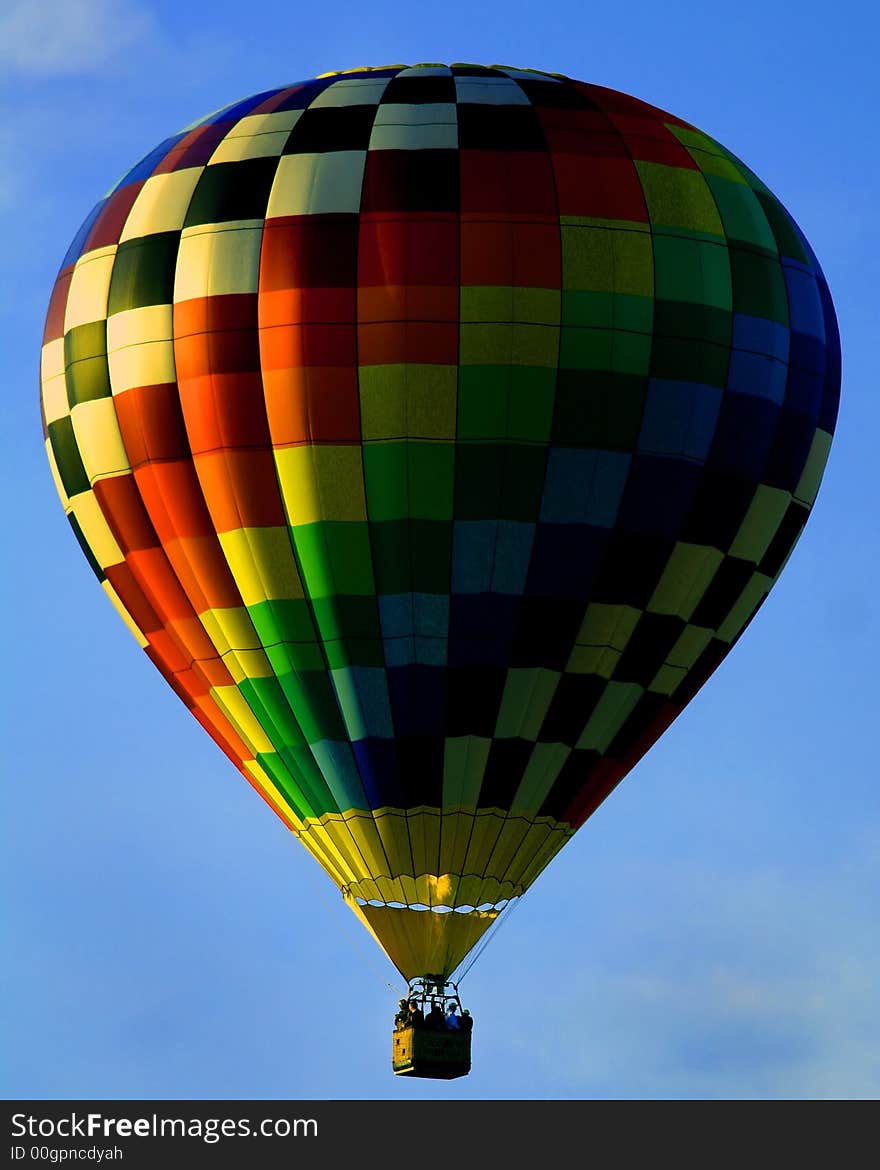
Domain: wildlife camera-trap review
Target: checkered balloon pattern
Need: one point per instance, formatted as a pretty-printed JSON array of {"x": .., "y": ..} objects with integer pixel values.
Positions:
[{"x": 437, "y": 430}]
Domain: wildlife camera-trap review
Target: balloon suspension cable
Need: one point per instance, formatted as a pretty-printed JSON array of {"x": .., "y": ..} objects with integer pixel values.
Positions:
[
  {"x": 365, "y": 949},
  {"x": 491, "y": 933}
]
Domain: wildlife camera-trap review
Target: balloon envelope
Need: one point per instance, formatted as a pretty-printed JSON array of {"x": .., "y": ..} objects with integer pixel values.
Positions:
[{"x": 437, "y": 431}]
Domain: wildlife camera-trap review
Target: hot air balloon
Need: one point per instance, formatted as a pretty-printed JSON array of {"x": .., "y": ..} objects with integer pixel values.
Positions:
[{"x": 437, "y": 430}]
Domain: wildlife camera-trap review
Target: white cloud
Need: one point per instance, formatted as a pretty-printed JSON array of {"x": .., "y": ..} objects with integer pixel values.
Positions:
[
  {"x": 761, "y": 986},
  {"x": 69, "y": 36}
]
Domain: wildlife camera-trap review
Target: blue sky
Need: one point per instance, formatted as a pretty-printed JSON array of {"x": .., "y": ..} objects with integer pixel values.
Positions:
[{"x": 712, "y": 931}]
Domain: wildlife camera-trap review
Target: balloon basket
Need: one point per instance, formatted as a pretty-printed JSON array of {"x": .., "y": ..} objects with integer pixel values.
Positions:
[{"x": 423, "y": 1045}]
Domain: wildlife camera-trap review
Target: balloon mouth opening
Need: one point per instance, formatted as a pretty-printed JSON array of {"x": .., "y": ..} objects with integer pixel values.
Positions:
[
  {"x": 484, "y": 907},
  {"x": 417, "y": 937}
]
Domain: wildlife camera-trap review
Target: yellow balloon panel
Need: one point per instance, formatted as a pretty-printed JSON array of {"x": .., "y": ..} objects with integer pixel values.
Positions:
[{"x": 423, "y": 942}]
